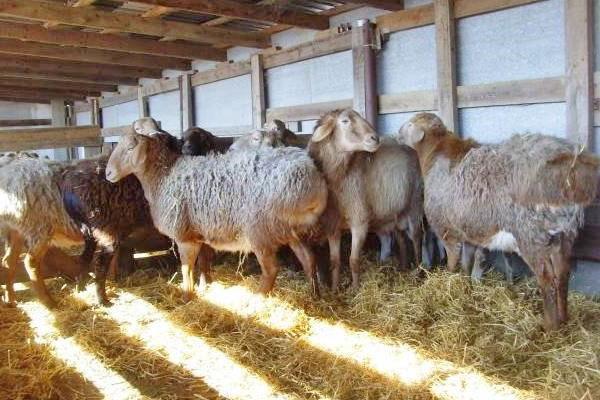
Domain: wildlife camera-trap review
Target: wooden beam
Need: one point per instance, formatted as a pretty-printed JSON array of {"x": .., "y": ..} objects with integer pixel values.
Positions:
[
  {"x": 68, "y": 53},
  {"x": 84, "y": 79},
  {"x": 258, "y": 91},
  {"x": 77, "y": 69},
  {"x": 24, "y": 122},
  {"x": 118, "y": 99},
  {"x": 96, "y": 112},
  {"x": 185, "y": 50},
  {"x": 187, "y": 102},
  {"x": 42, "y": 93},
  {"x": 364, "y": 71},
  {"x": 579, "y": 83},
  {"x": 446, "y": 63},
  {"x": 420, "y": 100},
  {"x": 55, "y": 85},
  {"x": 80, "y": 3},
  {"x": 157, "y": 12},
  {"x": 223, "y": 71},
  {"x": 49, "y": 138},
  {"x": 32, "y": 100},
  {"x": 93, "y": 18},
  {"x": 306, "y": 111},
  {"x": 424, "y": 15},
  {"x": 254, "y": 12},
  {"x": 391, "y": 5},
  {"x": 142, "y": 103}
]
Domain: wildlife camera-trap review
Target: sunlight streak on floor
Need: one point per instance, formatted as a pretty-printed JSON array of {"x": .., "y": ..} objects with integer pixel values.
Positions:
[
  {"x": 140, "y": 319},
  {"x": 394, "y": 360},
  {"x": 108, "y": 382}
]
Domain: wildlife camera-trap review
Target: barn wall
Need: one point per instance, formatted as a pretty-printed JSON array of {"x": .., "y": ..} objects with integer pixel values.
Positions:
[
  {"x": 166, "y": 108},
  {"x": 119, "y": 115}
]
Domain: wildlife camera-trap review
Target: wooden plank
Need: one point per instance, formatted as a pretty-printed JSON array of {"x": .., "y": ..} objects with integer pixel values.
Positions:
[
  {"x": 184, "y": 50},
  {"x": 446, "y": 62},
  {"x": 83, "y": 79},
  {"x": 109, "y": 73},
  {"x": 161, "y": 86},
  {"x": 579, "y": 79},
  {"x": 258, "y": 91},
  {"x": 32, "y": 100},
  {"x": 24, "y": 122},
  {"x": 422, "y": 100},
  {"x": 187, "y": 102},
  {"x": 320, "y": 47},
  {"x": 116, "y": 131},
  {"x": 364, "y": 71},
  {"x": 391, "y": 5},
  {"x": 530, "y": 91},
  {"x": 223, "y": 71},
  {"x": 121, "y": 22},
  {"x": 424, "y": 15},
  {"x": 96, "y": 112},
  {"x": 142, "y": 101},
  {"x": 50, "y": 84},
  {"x": 48, "y": 138},
  {"x": 118, "y": 99},
  {"x": 69, "y": 53},
  {"x": 306, "y": 111},
  {"x": 254, "y": 12},
  {"x": 41, "y": 93}
]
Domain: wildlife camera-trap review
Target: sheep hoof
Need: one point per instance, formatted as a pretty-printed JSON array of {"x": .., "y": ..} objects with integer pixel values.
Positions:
[{"x": 187, "y": 297}]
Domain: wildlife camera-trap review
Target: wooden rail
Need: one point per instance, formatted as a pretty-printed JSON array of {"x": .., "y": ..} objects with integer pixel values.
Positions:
[{"x": 24, "y": 122}]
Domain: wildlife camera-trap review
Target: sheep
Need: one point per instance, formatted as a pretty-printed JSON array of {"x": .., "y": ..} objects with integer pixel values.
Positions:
[
  {"x": 372, "y": 185},
  {"x": 274, "y": 134},
  {"x": 107, "y": 213},
  {"x": 31, "y": 208},
  {"x": 238, "y": 201},
  {"x": 199, "y": 142},
  {"x": 525, "y": 195}
]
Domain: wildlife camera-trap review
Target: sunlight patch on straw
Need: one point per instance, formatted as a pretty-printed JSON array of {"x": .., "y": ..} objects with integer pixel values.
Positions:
[
  {"x": 108, "y": 382},
  {"x": 397, "y": 361},
  {"x": 140, "y": 319}
]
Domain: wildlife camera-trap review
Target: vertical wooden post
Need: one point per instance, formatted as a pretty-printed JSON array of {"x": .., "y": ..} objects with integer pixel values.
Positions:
[
  {"x": 364, "y": 71},
  {"x": 258, "y": 91},
  {"x": 142, "y": 103},
  {"x": 579, "y": 84},
  {"x": 187, "y": 103},
  {"x": 95, "y": 111},
  {"x": 58, "y": 114},
  {"x": 446, "y": 62}
]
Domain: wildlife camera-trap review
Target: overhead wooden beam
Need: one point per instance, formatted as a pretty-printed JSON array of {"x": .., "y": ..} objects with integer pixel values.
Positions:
[
  {"x": 24, "y": 122},
  {"x": 157, "y": 12},
  {"x": 255, "y": 12},
  {"x": 50, "y": 84},
  {"x": 32, "y": 100},
  {"x": 49, "y": 138},
  {"x": 446, "y": 62},
  {"x": 579, "y": 80},
  {"x": 258, "y": 91},
  {"x": 81, "y": 3},
  {"x": 424, "y": 15},
  {"x": 76, "y": 69},
  {"x": 7, "y": 91},
  {"x": 83, "y": 79},
  {"x": 69, "y": 53},
  {"x": 93, "y": 18},
  {"x": 392, "y": 5},
  {"x": 185, "y": 50}
]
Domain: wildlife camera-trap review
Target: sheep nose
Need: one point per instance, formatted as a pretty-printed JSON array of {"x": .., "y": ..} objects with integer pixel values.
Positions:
[{"x": 375, "y": 139}]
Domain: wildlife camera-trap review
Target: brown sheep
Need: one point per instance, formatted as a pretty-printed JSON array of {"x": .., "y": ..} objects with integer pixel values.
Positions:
[{"x": 525, "y": 195}]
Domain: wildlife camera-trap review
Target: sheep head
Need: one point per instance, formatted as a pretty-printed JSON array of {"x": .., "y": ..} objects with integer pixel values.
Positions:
[
  {"x": 127, "y": 158},
  {"x": 281, "y": 132},
  {"x": 420, "y": 125},
  {"x": 197, "y": 141},
  {"x": 348, "y": 130},
  {"x": 146, "y": 126}
]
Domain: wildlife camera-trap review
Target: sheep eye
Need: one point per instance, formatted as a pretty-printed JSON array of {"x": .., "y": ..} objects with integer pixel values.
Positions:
[{"x": 345, "y": 121}]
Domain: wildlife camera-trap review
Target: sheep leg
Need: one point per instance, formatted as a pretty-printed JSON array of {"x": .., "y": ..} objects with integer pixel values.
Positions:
[
  {"x": 359, "y": 235},
  {"x": 267, "y": 258},
  {"x": 188, "y": 252},
  {"x": 32, "y": 265},
  {"x": 561, "y": 266},
  {"x": 335, "y": 242},
  {"x": 416, "y": 236},
  {"x": 453, "y": 255},
  {"x": 307, "y": 258},
  {"x": 204, "y": 262},
  {"x": 508, "y": 269},
  {"x": 477, "y": 271},
  {"x": 385, "y": 240},
  {"x": 100, "y": 268},
  {"x": 467, "y": 257},
  {"x": 13, "y": 248},
  {"x": 402, "y": 254},
  {"x": 113, "y": 266},
  {"x": 86, "y": 260}
]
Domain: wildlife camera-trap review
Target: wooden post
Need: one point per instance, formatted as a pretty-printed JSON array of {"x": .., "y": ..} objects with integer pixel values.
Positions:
[
  {"x": 258, "y": 91},
  {"x": 579, "y": 79},
  {"x": 446, "y": 62},
  {"x": 96, "y": 118},
  {"x": 187, "y": 103},
  {"x": 142, "y": 103},
  {"x": 59, "y": 119},
  {"x": 364, "y": 71}
]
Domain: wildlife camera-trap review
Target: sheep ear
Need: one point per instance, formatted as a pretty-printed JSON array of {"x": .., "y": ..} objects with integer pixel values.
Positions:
[
  {"x": 415, "y": 133},
  {"x": 324, "y": 130},
  {"x": 138, "y": 156}
]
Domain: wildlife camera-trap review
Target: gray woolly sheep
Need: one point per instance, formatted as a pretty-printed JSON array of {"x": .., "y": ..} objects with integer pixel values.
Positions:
[
  {"x": 274, "y": 134},
  {"x": 372, "y": 186},
  {"x": 238, "y": 201},
  {"x": 525, "y": 195}
]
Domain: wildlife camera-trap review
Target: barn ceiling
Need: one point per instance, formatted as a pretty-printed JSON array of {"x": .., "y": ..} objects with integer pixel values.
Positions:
[{"x": 82, "y": 47}]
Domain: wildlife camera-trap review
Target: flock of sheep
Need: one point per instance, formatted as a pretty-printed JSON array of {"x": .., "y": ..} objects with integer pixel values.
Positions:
[{"x": 525, "y": 195}]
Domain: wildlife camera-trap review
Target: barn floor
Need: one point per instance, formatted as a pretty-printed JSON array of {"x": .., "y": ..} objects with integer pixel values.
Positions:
[{"x": 396, "y": 338}]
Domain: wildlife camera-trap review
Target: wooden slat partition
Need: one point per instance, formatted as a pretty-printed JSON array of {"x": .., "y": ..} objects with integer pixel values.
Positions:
[
  {"x": 24, "y": 122},
  {"x": 49, "y": 138}
]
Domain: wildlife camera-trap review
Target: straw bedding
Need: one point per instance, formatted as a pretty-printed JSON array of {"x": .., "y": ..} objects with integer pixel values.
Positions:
[{"x": 490, "y": 328}]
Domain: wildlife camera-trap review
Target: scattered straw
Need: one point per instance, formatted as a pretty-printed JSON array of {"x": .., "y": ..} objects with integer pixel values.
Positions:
[{"x": 463, "y": 340}]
